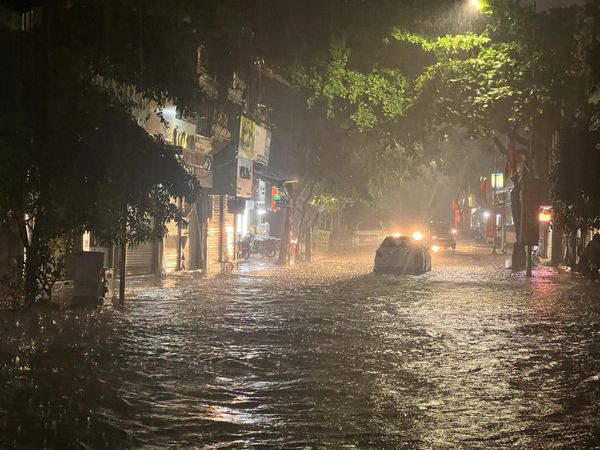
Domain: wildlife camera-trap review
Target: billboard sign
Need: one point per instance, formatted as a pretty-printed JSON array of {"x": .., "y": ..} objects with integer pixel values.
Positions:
[
  {"x": 254, "y": 142},
  {"x": 201, "y": 166},
  {"x": 246, "y": 142},
  {"x": 244, "y": 177}
]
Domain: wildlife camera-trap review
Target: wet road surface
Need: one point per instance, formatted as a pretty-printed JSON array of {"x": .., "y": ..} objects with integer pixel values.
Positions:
[{"x": 328, "y": 356}]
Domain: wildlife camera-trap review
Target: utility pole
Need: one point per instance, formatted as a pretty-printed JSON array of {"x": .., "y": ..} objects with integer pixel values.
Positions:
[{"x": 122, "y": 267}]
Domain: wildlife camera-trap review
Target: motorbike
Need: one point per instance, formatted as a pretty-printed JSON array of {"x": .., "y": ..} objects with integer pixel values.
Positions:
[
  {"x": 267, "y": 247},
  {"x": 250, "y": 244}
]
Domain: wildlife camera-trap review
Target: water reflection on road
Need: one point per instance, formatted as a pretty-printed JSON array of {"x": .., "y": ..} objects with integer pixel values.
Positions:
[{"x": 328, "y": 356}]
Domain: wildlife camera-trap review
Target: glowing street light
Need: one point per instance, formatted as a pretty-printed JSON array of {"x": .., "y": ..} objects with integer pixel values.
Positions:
[{"x": 476, "y": 4}]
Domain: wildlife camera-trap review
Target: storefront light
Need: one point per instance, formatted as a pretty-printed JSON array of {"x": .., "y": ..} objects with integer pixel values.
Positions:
[
  {"x": 261, "y": 212},
  {"x": 545, "y": 214}
]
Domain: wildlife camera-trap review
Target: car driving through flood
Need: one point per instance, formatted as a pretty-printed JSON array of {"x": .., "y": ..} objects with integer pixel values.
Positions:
[{"x": 402, "y": 255}]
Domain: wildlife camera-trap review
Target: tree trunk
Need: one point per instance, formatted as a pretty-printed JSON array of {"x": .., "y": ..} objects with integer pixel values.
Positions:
[
  {"x": 284, "y": 244},
  {"x": 32, "y": 263},
  {"x": 302, "y": 229},
  {"x": 308, "y": 242},
  {"x": 300, "y": 237},
  {"x": 122, "y": 264},
  {"x": 518, "y": 255}
]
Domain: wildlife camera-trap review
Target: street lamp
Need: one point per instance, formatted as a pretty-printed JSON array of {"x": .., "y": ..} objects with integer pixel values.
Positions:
[{"x": 476, "y": 4}]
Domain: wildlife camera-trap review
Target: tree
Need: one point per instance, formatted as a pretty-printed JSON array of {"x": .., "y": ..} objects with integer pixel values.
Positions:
[
  {"x": 74, "y": 159},
  {"x": 526, "y": 73}
]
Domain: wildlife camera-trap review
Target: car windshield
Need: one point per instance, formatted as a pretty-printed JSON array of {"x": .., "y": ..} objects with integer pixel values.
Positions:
[
  {"x": 365, "y": 226},
  {"x": 391, "y": 241},
  {"x": 440, "y": 228}
]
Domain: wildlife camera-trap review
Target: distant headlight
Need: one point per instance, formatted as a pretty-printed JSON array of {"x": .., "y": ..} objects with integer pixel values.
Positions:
[
  {"x": 417, "y": 235},
  {"x": 453, "y": 231},
  {"x": 435, "y": 248}
]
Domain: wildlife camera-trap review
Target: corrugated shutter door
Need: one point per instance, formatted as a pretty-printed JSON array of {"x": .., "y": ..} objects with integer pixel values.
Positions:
[
  {"x": 214, "y": 236},
  {"x": 139, "y": 259},
  {"x": 229, "y": 238}
]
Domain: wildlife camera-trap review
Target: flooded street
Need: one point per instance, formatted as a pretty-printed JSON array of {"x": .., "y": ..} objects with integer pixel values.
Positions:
[{"x": 329, "y": 356}]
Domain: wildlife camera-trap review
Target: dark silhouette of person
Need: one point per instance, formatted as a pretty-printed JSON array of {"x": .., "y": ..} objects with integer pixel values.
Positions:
[{"x": 591, "y": 254}]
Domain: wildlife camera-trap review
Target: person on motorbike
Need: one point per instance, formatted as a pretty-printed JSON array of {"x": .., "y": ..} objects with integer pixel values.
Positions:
[
  {"x": 591, "y": 256},
  {"x": 250, "y": 236},
  {"x": 246, "y": 244}
]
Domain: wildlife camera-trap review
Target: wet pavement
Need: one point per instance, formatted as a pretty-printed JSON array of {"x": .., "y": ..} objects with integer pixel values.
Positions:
[{"x": 325, "y": 356}]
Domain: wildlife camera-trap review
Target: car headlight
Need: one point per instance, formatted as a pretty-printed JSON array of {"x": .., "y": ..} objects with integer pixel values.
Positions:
[
  {"x": 417, "y": 236},
  {"x": 435, "y": 248}
]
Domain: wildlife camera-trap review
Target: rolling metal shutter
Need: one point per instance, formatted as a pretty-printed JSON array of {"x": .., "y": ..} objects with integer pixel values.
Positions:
[
  {"x": 229, "y": 238},
  {"x": 214, "y": 236},
  {"x": 221, "y": 235},
  {"x": 139, "y": 259}
]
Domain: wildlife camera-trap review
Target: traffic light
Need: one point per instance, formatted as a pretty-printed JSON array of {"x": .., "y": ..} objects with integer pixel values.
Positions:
[
  {"x": 278, "y": 199},
  {"x": 275, "y": 197}
]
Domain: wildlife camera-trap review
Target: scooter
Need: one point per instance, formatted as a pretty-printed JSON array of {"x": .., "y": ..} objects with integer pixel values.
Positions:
[{"x": 268, "y": 246}]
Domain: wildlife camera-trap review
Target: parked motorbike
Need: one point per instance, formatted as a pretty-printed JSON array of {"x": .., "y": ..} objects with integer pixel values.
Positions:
[
  {"x": 266, "y": 246},
  {"x": 250, "y": 244}
]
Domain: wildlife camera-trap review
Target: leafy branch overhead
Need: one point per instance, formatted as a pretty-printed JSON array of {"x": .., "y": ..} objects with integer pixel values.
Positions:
[{"x": 366, "y": 98}]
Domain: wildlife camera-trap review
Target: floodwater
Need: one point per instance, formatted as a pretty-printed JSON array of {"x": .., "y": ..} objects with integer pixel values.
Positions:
[{"x": 326, "y": 356}]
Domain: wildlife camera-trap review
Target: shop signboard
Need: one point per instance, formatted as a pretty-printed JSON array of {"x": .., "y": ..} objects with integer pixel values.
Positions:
[
  {"x": 545, "y": 214},
  {"x": 201, "y": 166},
  {"x": 244, "y": 177},
  {"x": 262, "y": 144},
  {"x": 246, "y": 142},
  {"x": 497, "y": 180},
  {"x": 323, "y": 240},
  {"x": 254, "y": 142}
]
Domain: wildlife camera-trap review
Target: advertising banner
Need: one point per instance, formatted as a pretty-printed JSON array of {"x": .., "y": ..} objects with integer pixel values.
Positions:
[
  {"x": 262, "y": 142},
  {"x": 244, "y": 177},
  {"x": 246, "y": 143},
  {"x": 201, "y": 165},
  {"x": 255, "y": 141}
]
